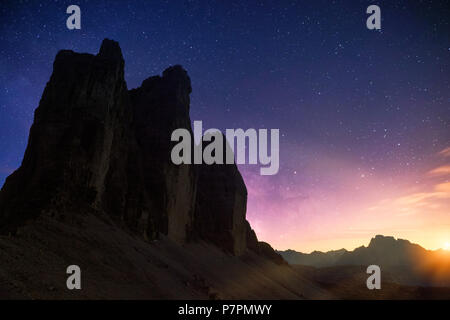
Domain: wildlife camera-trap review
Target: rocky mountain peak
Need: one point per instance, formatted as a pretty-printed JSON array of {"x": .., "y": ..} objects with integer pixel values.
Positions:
[
  {"x": 381, "y": 242},
  {"x": 177, "y": 76},
  {"x": 110, "y": 49},
  {"x": 96, "y": 147}
]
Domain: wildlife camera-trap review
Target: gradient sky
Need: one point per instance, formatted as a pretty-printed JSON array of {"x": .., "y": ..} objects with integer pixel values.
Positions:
[{"x": 363, "y": 115}]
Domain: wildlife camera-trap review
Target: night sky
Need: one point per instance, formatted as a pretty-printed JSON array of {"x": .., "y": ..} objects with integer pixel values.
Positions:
[{"x": 363, "y": 114}]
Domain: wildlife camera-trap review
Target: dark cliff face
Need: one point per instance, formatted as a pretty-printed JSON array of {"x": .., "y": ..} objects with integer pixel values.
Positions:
[
  {"x": 221, "y": 203},
  {"x": 160, "y": 106},
  {"x": 81, "y": 113},
  {"x": 97, "y": 147}
]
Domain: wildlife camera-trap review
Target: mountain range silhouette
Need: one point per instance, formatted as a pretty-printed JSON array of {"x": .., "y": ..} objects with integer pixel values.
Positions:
[{"x": 400, "y": 260}]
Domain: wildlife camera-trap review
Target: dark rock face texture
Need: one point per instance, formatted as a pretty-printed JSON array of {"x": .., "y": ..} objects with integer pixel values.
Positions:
[
  {"x": 97, "y": 147},
  {"x": 220, "y": 207},
  {"x": 160, "y": 106},
  {"x": 81, "y": 114}
]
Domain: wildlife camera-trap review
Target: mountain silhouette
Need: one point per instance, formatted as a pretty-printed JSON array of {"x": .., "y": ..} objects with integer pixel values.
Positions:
[
  {"x": 404, "y": 262},
  {"x": 97, "y": 189}
]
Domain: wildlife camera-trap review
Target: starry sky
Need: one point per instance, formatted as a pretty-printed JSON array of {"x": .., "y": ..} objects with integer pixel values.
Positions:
[{"x": 363, "y": 114}]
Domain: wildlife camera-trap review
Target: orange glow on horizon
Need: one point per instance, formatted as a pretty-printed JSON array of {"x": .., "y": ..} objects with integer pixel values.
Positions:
[{"x": 351, "y": 209}]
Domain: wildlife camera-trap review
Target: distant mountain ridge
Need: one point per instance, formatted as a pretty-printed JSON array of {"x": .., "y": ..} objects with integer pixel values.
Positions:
[
  {"x": 314, "y": 259},
  {"x": 407, "y": 262},
  {"x": 385, "y": 250}
]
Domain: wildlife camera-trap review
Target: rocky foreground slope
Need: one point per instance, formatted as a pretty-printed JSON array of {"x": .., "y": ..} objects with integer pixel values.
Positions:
[{"x": 97, "y": 188}]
